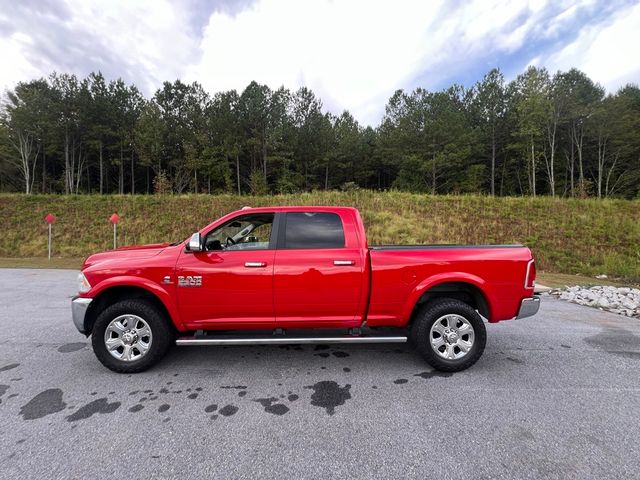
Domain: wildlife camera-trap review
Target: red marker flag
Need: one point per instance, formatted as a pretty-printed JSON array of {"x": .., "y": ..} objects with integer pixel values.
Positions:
[{"x": 50, "y": 218}]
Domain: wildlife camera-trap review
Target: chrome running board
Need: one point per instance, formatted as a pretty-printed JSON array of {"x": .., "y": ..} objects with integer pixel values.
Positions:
[{"x": 284, "y": 340}]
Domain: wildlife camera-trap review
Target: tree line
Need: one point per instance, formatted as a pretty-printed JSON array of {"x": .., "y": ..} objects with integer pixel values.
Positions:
[{"x": 558, "y": 135}]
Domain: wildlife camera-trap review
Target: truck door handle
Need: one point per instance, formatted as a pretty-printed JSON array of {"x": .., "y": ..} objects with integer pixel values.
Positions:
[
  {"x": 255, "y": 264},
  {"x": 344, "y": 262}
]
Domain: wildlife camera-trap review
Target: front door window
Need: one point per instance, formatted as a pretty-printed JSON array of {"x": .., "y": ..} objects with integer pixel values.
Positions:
[{"x": 248, "y": 232}]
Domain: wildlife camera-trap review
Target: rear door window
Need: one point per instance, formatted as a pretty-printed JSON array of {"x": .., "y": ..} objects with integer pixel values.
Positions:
[{"x": 313, "y": 230}]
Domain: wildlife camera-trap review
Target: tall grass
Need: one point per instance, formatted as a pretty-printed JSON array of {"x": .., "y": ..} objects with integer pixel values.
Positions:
[{"x": 566, "y": 235}]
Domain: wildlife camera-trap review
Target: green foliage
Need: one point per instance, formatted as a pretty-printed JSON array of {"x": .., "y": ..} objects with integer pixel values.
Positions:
[
  {"x": 257, "y": 184},
  {"x": 161, "y": 184},
  {"x": 413, "y": 174},
  {"x": 566, "y": 235},
  {"x": 289, "y": 181},
  {"x": 471, "y": 179},
  {"x": 538, "y": 134},
  {"x": 349, "y": 187},
  {"x": 487, "y": 109}
]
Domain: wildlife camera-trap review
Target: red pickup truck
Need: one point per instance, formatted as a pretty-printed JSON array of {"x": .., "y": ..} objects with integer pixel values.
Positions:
[{"x": 298, "y": 275}]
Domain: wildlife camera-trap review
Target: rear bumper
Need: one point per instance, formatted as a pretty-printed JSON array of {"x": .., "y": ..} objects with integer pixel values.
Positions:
[
  {"x": 79, "y": 306},
  {"x": 529, "y": 307}
]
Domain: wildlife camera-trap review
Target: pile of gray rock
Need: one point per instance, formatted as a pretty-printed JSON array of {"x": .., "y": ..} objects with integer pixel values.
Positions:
[{"x": 621, "y": 300}]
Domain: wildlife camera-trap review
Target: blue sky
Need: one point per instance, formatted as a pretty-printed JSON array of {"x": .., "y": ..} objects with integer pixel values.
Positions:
[
  {"x": 515, "y": 61},
  {"x": 540, "y": 45},
  {"x": 353, "y": 53}
]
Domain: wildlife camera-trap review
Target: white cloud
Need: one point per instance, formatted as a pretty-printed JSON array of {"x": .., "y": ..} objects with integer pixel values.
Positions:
[
  {"x": 607, "y": 52},
  {"x": 150, "y": 35},
  {"x": 15, "y": 66},
  {"x": 354, "y": 54},
  {"x": 145, "y": 42},
  {"x": 347, "y": 52}
]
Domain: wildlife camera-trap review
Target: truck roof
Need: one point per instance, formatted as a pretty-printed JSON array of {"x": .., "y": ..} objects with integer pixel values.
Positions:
[
  {"x": 299, "y": 208},
  {"x": 284, "y": 209}
]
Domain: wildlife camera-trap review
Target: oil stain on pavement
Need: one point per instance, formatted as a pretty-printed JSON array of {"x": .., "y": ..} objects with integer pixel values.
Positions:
[
  {"x": 43, "y": 404},
  {"x": 9, "y": 367},
  {"x": 71, "y": 347},
  {"x": 616, "y": 341},
  {"x": 228, "y": 410},
  {"x": 3, "y": 390},
  {"x": 328, "y": 395},
  {"x": 271, "y": 407},
  {"x": 340, "y": 354},
  {"x": 432, "y": 374},
  {"x": 101, "y": 405}
]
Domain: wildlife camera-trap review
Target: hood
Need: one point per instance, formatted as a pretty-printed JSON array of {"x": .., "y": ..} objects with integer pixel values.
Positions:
[
  {"x": 125, "y": 253},
  {"x": 151, "y": 246}
]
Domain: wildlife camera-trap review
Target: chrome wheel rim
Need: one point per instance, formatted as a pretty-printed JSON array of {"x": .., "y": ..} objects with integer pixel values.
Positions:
[
  {"x": 128, "y": 338},
  {"x": 451, "y": 337}
]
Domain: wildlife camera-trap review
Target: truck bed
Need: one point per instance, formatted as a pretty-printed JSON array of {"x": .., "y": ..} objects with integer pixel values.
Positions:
[{"x": 401, "y": 273}]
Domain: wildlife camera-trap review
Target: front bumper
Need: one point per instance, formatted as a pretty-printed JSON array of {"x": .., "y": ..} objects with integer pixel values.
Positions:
[
  {"x": 529, "y": 307},
  {"x": 79, "y": 306}
]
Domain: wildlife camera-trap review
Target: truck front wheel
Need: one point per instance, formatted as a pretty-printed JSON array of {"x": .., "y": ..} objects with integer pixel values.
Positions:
[
  {"x": 449, "y": 334},
  {"x": 130, "y": 336}
]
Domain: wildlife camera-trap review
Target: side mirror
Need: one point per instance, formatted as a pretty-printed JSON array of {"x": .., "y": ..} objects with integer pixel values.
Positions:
[{"x": 195, "y": 243}]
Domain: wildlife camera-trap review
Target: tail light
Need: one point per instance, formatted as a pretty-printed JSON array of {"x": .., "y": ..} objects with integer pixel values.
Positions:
[{"x": 530, "y": 277}]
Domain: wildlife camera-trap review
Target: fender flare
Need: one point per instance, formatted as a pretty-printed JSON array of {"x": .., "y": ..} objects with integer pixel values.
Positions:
[
  {"x": 153, "y": 288},
  {"x": 449, "y": 277}
]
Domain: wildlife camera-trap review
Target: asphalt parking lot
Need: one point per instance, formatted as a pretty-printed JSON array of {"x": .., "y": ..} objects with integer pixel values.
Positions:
[{"x": 554, "y": 396}]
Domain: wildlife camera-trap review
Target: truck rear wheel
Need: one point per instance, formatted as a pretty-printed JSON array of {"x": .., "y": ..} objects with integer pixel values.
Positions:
[
  {"x": 130, "y": 336},
  {"x": 449, "y": 334}
]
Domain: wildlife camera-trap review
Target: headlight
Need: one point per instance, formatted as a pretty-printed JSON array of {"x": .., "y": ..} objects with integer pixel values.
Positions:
[{"x": 83, "y": 284}]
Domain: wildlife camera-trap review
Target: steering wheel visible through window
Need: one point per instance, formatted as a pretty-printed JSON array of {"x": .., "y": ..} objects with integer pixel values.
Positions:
[{"x": 246, "y": 232}]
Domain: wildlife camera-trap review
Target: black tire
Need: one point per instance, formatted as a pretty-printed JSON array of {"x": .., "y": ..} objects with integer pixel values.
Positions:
[
  {"x": 162, "y": 335},
  {"x": 421, "y": 332}
]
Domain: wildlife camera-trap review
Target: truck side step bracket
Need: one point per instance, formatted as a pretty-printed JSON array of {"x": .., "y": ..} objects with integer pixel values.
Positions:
[{"x": 284, "y": 340}]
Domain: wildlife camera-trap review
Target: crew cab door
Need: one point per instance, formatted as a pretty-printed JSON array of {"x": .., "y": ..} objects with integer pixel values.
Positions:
[
  {"x": 229, "y": 285},
  {"x": 318, "y": 273}
]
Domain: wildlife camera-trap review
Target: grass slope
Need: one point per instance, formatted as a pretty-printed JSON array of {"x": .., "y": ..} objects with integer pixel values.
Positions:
[{"x": 568, "y": 236}]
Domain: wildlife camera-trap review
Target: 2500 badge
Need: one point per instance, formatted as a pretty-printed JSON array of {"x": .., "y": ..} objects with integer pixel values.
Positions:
[{"x": 190, "y": 281}]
